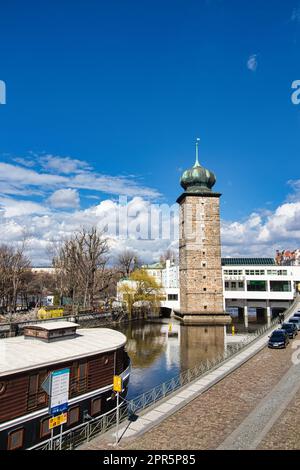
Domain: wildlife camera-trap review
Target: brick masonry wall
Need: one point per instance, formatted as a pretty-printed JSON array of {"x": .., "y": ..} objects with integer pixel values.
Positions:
[{"x": 200, "y": 271}]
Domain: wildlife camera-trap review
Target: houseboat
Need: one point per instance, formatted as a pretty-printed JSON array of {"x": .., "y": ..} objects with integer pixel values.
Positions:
[{"x": 91, "y": 356}]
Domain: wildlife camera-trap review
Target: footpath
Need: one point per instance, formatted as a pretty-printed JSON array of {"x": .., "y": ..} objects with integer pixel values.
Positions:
[{"x": 234, "y": 406}]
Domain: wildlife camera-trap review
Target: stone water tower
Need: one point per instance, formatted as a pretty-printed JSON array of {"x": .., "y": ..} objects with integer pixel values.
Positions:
[{"x": 200, "y": 270}]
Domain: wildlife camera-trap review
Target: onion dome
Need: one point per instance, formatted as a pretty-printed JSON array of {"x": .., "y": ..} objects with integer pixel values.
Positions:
[{"x": 197, "y": 179}]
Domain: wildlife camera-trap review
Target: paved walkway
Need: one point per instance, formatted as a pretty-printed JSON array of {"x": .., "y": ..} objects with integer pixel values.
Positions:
[
  {"x": 256, "y": 426},
  {"x": 153, "y": 417},
  {"x": 284, "y": 434}
]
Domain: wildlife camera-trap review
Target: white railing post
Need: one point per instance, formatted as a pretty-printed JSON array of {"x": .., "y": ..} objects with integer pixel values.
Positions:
[{"x": 88, "y": 432}]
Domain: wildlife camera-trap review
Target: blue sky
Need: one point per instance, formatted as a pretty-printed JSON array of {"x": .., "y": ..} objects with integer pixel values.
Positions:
[{"x": 115, "y": 93}]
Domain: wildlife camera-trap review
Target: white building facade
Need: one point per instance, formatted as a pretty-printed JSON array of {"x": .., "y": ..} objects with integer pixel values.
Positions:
[
  {"x": 258, "y": 289},
  {"x": 166, "y": 276},
  {"x": 255, "y": 289}
]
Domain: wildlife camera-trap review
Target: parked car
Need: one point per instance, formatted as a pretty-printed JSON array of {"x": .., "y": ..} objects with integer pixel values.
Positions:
[
  {"x": 278, "y": 339},
  {"x": 297, "y": 315},
  {"x": 296, "y": 321},
  {"x": 291, "y": 329}
]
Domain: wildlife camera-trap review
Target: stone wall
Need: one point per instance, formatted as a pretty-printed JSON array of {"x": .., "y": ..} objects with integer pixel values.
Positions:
[{"x": 200, "y": 271}]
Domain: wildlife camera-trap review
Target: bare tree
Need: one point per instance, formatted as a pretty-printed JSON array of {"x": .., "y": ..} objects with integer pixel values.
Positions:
[
  {"x": 20, "y": 264},
  {"x": 35, "y": 286},
  {"x": 127, "y": 262},
  {"x": 81, "y": 263},
  {"x": 6, "y": 254},
  {"x": 13, "y": 266},
  {"x": 168, "y": 255}
]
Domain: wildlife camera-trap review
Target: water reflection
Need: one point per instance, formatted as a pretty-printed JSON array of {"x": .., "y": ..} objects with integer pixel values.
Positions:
[
  {"x": 160, "y": 350},
  {"x": 144, "y": 343},
  {"x": 199, "y": 343}
]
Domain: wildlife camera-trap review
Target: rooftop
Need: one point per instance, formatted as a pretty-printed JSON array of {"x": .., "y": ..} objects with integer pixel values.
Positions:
[
  {"x": 19, "y": 354},
  {"x": 248, "y": 262},
  {"x": 54, "y": 325},
  {"x": 197, "y": 179},
  {"x": 153, "y": 266}
]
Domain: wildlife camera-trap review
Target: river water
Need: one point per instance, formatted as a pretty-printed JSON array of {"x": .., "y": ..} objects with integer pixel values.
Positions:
[{"x": 161, "y": 349}]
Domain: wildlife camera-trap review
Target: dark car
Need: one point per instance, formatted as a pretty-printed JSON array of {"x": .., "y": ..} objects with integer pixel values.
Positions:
[
  {"x": 297, "y": 315},
  {"x": 278, "y": 339},
  {"x": 296, "y": 321},
  {"x": 291, "y": 329}
]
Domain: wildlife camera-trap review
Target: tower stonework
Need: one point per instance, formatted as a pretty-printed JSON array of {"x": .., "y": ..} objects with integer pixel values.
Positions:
[{"x": 200, "y": 270}]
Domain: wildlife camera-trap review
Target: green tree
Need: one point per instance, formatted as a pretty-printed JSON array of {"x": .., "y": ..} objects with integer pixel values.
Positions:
[{"x": 141, "y": 286}]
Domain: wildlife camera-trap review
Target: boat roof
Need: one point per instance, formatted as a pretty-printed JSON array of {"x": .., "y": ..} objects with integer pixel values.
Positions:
[{"x": 20, "y": 354}]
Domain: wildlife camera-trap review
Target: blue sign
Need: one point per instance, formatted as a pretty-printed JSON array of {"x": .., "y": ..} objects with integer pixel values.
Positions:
[
  {"x": 57, "y": 410},
  {"x": 60, "y": 372},
  {"x": 59, "y": 391}
]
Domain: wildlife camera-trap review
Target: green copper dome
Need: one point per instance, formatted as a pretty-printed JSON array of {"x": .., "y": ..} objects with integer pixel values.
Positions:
[{"x": 197, "y": 179}]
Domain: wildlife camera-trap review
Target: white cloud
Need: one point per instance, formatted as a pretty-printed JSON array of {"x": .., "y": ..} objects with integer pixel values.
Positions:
[
  {"x": 15, "y": 208},
  {"x": 24, "y": 161},
  {"x": 296, "y": 15},
  {"x": 21, "y": 177},
  {"x": 252, "y": 63},
  {"x": 65, "y": 199},
  {"x": 262, "y": 235},
  {"x": 295, "y": 195},
  {"x": 64, "y": 165},
  {"x": 259, "y": 235},
  {"x": 67, "y": 173},
  {"x": 44, "y": 227},
  {"x": 43, "y": 193}
]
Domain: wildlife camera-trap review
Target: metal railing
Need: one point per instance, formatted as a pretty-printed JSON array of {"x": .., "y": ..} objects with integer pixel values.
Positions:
[
  {"x": 84, "y": 432},
  {"x": 100, "y": 425}
]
